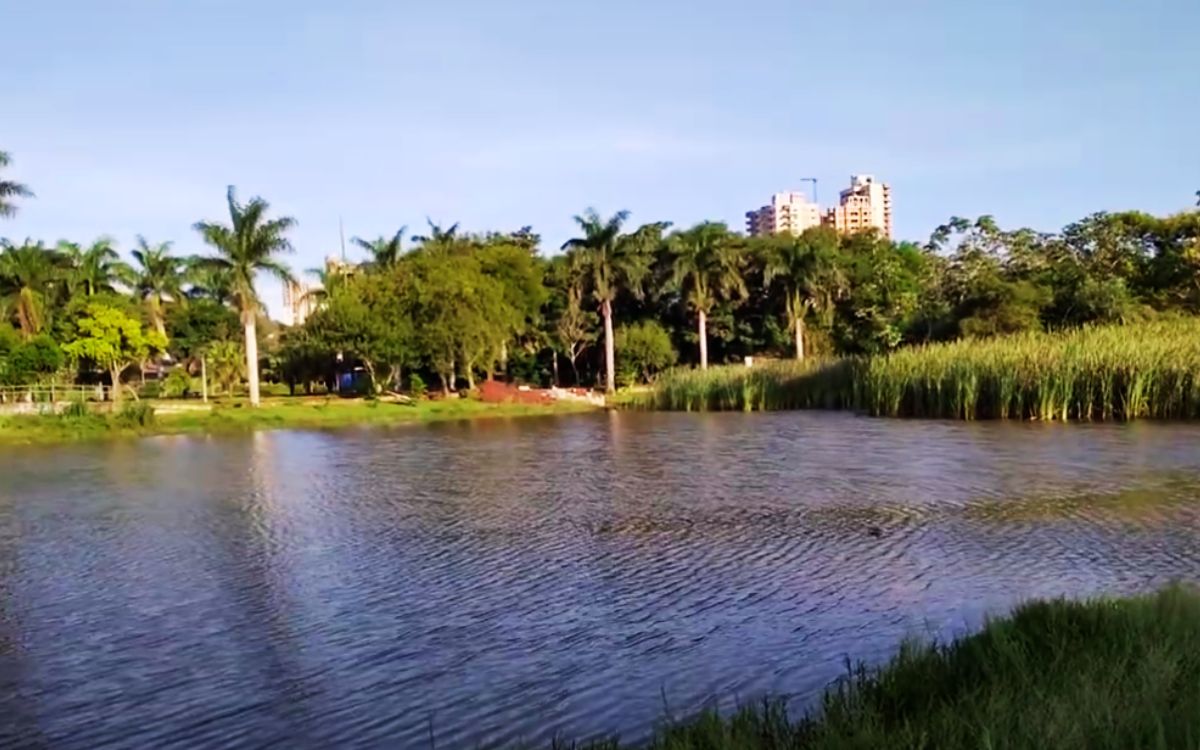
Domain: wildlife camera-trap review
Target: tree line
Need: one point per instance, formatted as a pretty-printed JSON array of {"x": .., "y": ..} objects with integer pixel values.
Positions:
[{"x": 616, "y": 304}]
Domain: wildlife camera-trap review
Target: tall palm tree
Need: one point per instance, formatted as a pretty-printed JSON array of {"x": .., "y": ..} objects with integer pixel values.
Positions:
[
  {"x": 10, "y": 190},
  {"x": 812, "y": 277},
  {"x": 27, "y": 276},
  {"x": 615, "y": 261},
  {"x": 246, "y": 246},
  {"x": 385, "y": 251},
  {"x": 94, "y": 269},
  {"x": 158, "y": 279},
  {"x": 707, "y": 267}
]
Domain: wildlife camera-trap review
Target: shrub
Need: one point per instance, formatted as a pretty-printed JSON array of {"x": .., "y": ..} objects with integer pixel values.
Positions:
[
  {"x": 177, "y": 384},
  {"x": 416, "y": 386},
  {"x": 135, "y": 414}
]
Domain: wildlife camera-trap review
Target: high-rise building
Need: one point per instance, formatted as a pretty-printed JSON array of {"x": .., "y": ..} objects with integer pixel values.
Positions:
[
  {"x": 791, "y": 212},
  {"x": 866, "y": 204},
  {"x": 297, "y": 302}
]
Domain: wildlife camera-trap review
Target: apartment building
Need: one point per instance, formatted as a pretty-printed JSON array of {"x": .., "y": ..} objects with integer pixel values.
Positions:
[
  {"x": 791, "y": 212},
  {"x": 866, "y": 204},
  {"x": 297, "y": 302}
]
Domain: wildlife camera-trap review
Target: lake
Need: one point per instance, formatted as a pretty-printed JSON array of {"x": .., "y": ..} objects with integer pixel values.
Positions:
[{"x": 495, "y": 582}]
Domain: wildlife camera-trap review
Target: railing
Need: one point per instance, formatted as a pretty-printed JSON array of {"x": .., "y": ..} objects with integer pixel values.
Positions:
[{"x": 53, "y": 394}]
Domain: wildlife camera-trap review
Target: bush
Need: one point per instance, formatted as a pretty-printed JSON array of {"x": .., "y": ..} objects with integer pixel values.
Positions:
[
  {"x": 177, "y": 384},
  {"x": 30, "y": 361},
  {"x": 416, "y": 386},
  {"x": 643, "y": 350},
  {"x": 135, "y": 414}
]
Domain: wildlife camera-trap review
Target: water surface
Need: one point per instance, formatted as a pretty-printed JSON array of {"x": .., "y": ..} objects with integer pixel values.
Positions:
[{"x": 502, "y": 581}]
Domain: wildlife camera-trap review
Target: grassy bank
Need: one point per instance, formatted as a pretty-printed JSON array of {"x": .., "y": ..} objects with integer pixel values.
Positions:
[
  {"x": 1112, "y": 673},
  {"x": 274, "y": 414},
  {"x": 1149, "y": 370}
]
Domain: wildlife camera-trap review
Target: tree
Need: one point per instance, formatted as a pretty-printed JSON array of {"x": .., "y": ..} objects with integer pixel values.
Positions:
[
  {"x": 808, "y": 268},
  {"x": 192, "y": 326},
  {"x": 10, "y": 190},
  {"x": 94, "y": 270},
  {"x": 384, "y": 251},
  {"x": 246, "y": 246},
  {"x": 27, "y": 276},
  {"x": 646, "y": 350},
  {"x": 114, "y": 341},
  {"x": 707, "y": 267},
  {"x": 615, "y": 261},
  {"x": 158, "y": 279},
  {"x": 366, "y": 319},
  {"x": 574, "y": 327}
]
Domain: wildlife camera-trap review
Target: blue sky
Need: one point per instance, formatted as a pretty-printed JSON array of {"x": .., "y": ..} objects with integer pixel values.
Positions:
[{"x": 131, "y": 117}]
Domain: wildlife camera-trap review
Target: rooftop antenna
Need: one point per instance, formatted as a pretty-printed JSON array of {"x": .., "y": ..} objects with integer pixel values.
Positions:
[{"x": 813, "y": 180}]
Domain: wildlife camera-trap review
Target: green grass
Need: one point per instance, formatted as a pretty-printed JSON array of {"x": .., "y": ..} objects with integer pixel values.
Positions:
[
  {"x": 280, "y": 413},
  {"x": 1147, "y": 370},
  {"x": 1106, "y": 673}
]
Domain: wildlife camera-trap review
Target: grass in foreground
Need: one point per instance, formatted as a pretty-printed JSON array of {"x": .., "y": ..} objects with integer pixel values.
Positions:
[
  {"x": 1106, "y": 673},
  {"x": 285, "y": 413},
  {"x": 1147, "y": 370}
]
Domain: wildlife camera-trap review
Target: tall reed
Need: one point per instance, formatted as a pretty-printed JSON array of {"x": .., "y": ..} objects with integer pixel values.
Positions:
[{"x": 1148, "y": 370}]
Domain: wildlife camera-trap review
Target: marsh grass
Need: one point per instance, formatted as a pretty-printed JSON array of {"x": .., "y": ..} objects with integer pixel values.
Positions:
[
  {"x": 1148, "y": 370},
  {"x": 1100, "y": 674}
]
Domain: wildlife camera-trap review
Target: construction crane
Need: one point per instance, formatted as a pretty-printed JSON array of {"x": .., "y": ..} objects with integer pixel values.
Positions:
[{"x": 813, "y": 180}]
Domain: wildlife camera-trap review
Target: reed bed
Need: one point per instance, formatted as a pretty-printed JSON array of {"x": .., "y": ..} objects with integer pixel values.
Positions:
[{"x": 1147, "y": 370}]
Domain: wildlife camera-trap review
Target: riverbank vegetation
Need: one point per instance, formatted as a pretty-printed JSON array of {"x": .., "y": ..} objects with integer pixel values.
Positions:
[
  {"x": 445, "y": 308},
  {"x": 139, "y": 419},
  {"x": 1142, "y": 370},
  {"x": 1106, "y": 673}
]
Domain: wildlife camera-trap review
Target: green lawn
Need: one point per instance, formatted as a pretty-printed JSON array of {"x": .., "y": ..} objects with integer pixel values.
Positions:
[
  {"x": 1109, "y": 673},
  {"x": 275, "y": 413}
]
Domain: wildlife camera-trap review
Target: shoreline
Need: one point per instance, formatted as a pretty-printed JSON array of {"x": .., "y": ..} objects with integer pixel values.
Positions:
[
  {"x": 284, "y": 414},
  {"x": 1109, "y": 672}
]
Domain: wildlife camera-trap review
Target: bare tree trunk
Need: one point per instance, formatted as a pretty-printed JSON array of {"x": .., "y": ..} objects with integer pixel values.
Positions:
[
  {"x": 453, "y": 374},
  {"x": 445, "y": 383},
  {"x": 503, "y": 360},
  {"x": 115, "y": 373},
  {"x": 554, "y": 365},
  {"x": 252, "y": 357},
  {"x": 799, "y": 338},
  {"x": 610, "y": 357},
  {"x": 703, "y": 341}
]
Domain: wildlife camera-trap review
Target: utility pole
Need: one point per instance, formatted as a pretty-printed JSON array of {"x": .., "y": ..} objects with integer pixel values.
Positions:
[
  {"x": 204, "y": 377},
  {"x": 342, "y": 235}
]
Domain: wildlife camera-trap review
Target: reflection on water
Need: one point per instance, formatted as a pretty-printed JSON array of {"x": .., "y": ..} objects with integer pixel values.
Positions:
[{"x": 501, "y": 581}]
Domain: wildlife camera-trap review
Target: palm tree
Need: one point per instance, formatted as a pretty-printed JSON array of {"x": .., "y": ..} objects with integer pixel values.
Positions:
[
  {"x": 158, "y": 279},
  {"x": 245, "y": 247},
  {"x": 27, "y": 276},
  {"x": 707, "y": 267},
  {"x": 10, "y": 190},
  {"x": 811, "y": 275},
  {"x": 384, "y": 251},
  {"x": 206, "y": 281},
  {"x": 615, "y": 261},
  {"x": 94, "y": 269},
  {"x": 438, "y": 238}
]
